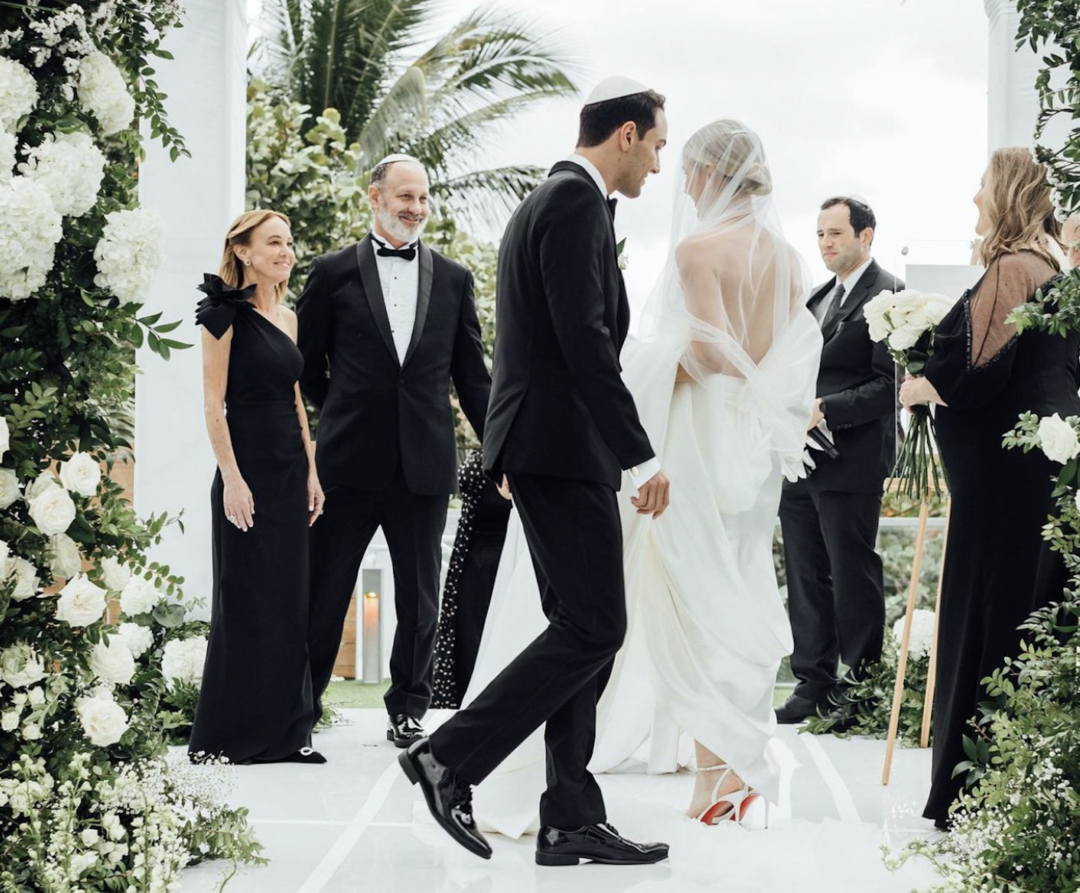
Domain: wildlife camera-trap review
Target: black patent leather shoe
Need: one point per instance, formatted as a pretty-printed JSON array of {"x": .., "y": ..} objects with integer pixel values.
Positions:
[
  {"x": 798, "y": 709},
  {"x": 594, "y": 843},
  {"x": 448, "y": 796},
  {"x": 404, "y": 730}
]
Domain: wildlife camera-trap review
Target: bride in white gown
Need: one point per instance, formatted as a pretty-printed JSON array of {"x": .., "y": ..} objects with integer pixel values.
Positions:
[{"x": 723, "y": 375}]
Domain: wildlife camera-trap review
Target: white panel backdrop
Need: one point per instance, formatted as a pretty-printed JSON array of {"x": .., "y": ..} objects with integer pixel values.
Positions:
[{"x": 197, "y": 197}]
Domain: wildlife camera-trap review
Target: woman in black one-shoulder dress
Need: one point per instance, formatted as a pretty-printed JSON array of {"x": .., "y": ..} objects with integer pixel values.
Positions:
[
  {"x": 983, "y": 375},
  {"x": 256, "y": 703}
]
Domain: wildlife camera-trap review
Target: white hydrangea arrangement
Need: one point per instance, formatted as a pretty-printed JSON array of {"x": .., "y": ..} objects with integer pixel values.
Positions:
[
  {"x": 86, "y": 803},
  {"x": 129, "y": 253},
  {"x": 70, "y": 167}
]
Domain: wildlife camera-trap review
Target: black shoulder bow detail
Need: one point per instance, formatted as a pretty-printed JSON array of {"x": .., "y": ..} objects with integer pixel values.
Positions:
[{"x": 218, "y": 309}]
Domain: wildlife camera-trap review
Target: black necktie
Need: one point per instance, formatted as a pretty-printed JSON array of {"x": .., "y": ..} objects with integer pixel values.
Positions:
[
  {"x": 611, "y": 203},
  {"x": 834, "y": 308},
  {"x": 407, "y": 253}
]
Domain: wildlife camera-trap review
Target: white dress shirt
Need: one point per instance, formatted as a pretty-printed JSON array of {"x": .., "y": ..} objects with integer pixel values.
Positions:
[
  {"x": 639, "y": 474},
  {"x": 849, "y": 283},
  {"x": 400, "y": 281}
]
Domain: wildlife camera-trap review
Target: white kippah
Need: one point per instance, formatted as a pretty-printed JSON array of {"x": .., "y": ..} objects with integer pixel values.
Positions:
[
  {"x": 390, "y": 159},
  {"x": 615, "y": 88}
]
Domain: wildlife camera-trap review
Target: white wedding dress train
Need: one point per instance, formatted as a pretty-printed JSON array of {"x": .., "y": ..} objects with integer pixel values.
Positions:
[{"x": 706, "y": 626}]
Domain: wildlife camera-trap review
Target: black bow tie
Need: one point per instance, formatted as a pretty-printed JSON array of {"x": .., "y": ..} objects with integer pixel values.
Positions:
[
  {"x": 611, "y": 203},
  {"x": 407, "y": 253}
]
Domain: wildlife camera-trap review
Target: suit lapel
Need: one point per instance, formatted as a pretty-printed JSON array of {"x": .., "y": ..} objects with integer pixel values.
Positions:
[
  {"x": 372, "y": 286},
  {"x": 853, "y": 301},
  {"x": 423, "y": 298}
]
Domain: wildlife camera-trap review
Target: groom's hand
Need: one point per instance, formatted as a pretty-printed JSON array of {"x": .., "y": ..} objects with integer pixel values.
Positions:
[{"x": 652, "y": 496}]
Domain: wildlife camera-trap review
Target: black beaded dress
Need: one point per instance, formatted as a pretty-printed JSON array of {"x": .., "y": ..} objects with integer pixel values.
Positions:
[
  {"x": 998, "y": 568},
  {"x": 256, "y": 704},
  {"x": 470, "y": 581}
]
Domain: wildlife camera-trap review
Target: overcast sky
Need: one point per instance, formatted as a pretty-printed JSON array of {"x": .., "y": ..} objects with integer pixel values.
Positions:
[{"x": 884, "y": 99}]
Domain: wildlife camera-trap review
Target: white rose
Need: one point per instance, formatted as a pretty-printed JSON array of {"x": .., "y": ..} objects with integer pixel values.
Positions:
[
  {"x": 53, "y": 511},
  {"x": 938, "y": 307},
  {"x": 1058, "y": 439},
  {"x": 70, "y": 168},
  {"x": 44, "y": 481},
  {"x": 104, "y": 92},
  {"x": 875, "y": 313},
  {"x": 65, "y": 560},
  {"x": 922, "y": 633},
  {"x": 18, "y": 93},
  {"x": 81, "y": 603},
  {"x": 139, "y": 596},
  {"x": 89, "y": 837},
  {"x": 113, "y": 662},
  {"x": 30, "y": 227},
  {"x": 36, "y": 696},
  {"x": 26, "y": 578},
  {"x": 103, "y": 720},
  {"x": 81, "y": 474},
  {"x": 9, "y": 721},
  {"x": 21, "y": 666},
  {"x": 5, "y": 436},
  {"x": 4, "y": 553},
  {"x": 138, "y": 639},
  {"x": 183, "y": 659},
  {"x": 31, "y": 731},
  {"x": 116, "y": 574},
  {"x": 9, "y": 487},
  {"x": 905, "y": 337}
]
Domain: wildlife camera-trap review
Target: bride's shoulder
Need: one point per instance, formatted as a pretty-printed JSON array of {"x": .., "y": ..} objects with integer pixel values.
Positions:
[{"x": 703, "y": 249}]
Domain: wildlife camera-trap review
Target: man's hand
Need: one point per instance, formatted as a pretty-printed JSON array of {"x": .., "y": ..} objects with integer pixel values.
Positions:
[
  {"x": 652, "y": 496},
  {"x": 504, "y": 489},
  {"x": 816, "y": 416}
]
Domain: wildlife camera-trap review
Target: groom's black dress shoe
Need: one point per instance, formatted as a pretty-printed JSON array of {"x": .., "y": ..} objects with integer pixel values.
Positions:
[
  {"x": 594, "y": 843},
  {"x": 448, "y": 796},
  {"x": 404, "y": 730},
  {"x": 797, "y": 708}
]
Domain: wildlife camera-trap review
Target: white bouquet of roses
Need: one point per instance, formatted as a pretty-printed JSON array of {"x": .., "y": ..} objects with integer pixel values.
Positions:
[{"x": 906, "y": 321}]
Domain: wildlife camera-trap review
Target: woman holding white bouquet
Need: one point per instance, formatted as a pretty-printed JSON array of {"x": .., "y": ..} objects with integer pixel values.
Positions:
[
  {"x": 982, "y": 375},
  {"x": 256, "y": 704}
]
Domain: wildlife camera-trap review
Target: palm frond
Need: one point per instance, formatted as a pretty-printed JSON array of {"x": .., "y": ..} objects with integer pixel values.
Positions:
[{"x": 486, "y": 197}]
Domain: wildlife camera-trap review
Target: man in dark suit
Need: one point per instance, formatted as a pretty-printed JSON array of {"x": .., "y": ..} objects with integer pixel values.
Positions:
[
  {"x": 830, "y": 519},
  {"x": 563, "y": 428},
  {"x": 385, "y": 324}
]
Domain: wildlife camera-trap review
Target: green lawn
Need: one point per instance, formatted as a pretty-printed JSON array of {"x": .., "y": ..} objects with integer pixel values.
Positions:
[{"x": 353, "y": 693}]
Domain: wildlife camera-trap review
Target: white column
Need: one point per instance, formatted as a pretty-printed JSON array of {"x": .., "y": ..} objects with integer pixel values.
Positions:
[
  {"x": 1013, "y": 101},
  {"x": 198, "y": 197}
]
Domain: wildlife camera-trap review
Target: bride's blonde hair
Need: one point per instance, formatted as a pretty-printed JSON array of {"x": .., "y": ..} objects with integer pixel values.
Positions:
[
  {"x": 231, "y": 269},
  {"x": 733, "y": 150}
]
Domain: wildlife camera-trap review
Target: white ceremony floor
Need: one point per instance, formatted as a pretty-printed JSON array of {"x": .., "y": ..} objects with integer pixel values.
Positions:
[{"x": 355, "y": 825}]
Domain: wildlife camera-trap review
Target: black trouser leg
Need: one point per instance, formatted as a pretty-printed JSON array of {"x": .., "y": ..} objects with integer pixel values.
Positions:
[
  {"x": 574, "y": 534},
  {"x": 849, "y": 523},
  {"x": 475, "y": 586},
  {"x": 810, "y": 595},
  {"x": 337, "y": 542},
  {"x": 413, "y": 526}
]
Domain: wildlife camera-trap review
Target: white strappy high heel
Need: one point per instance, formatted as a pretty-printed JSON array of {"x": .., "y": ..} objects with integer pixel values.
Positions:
[{"x": 735, "y": 806}]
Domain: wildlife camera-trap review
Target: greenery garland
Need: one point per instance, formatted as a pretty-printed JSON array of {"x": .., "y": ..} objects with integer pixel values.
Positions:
[{"x": 89, "y": 799}]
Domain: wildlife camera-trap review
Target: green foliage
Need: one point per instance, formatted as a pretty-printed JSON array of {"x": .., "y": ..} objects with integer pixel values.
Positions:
[
  {"x": 1046, "y": 23},
  {"x": 363, "y": 58},
  {"x": 87, "y": 807}
]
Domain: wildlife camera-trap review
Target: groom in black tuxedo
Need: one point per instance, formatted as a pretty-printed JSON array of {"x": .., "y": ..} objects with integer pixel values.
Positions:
[
  {"x": 829, "y": 520},
  {"x": 563, "y": 428},
  {"x": 385, "y": 324}
]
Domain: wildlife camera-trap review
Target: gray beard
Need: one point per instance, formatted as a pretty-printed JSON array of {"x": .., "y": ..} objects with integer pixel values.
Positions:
[{"x": 394, "y": 228}]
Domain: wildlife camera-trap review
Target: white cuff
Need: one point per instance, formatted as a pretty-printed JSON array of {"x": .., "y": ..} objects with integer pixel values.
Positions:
[{"x": 643, "y": 473}]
